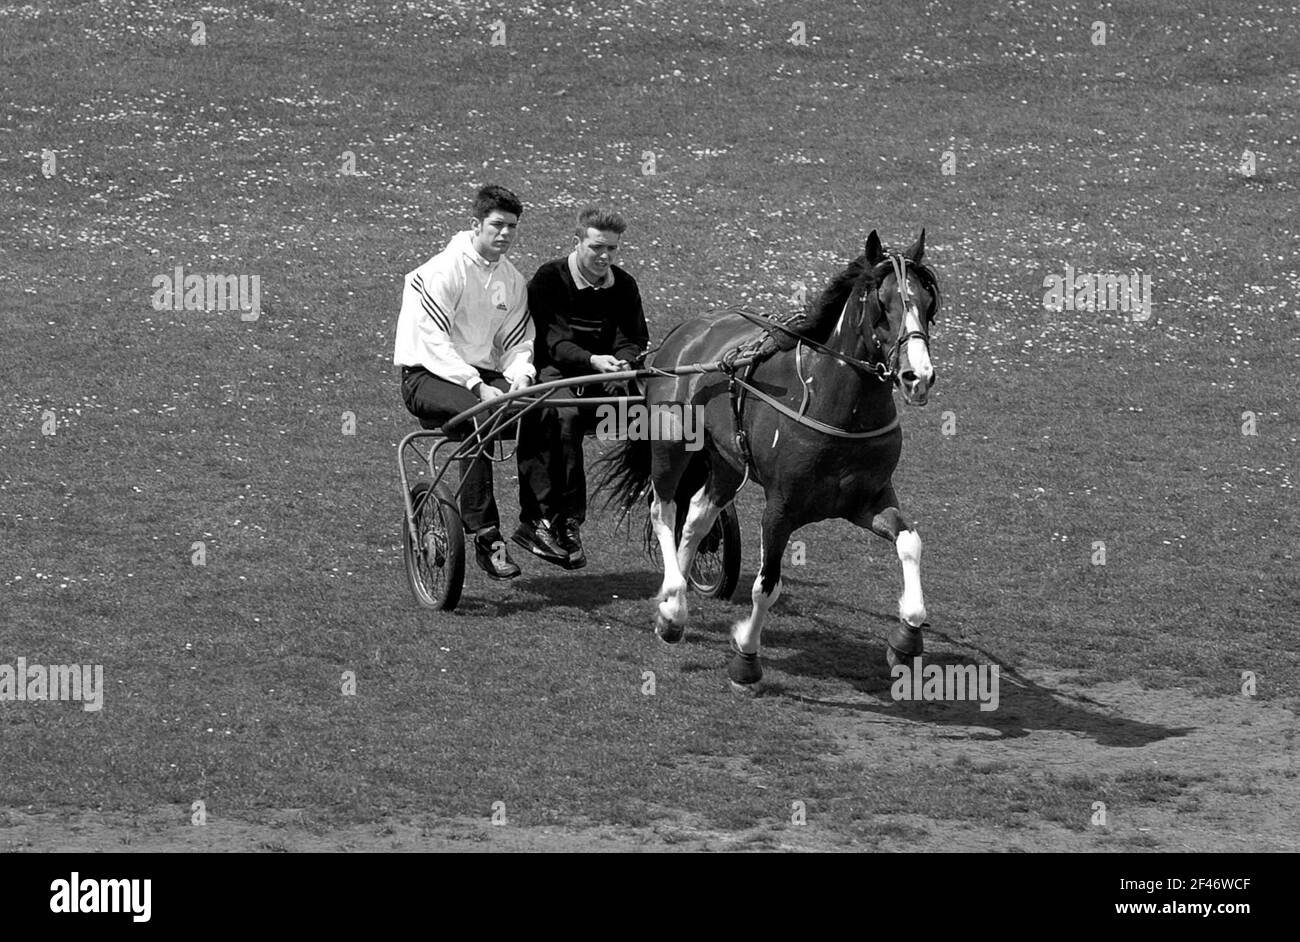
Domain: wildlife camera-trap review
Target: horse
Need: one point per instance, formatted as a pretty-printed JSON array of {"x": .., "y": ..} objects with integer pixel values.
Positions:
[{"x": 815, "y": 426}]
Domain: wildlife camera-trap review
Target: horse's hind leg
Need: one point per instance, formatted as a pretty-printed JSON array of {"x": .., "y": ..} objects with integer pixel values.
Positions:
[
  {"x": 699, "y": 520},
  {"x": 745, "y": 670},
  {"x": 706, "y": 504},
  {"x": 885, "y": 519},
  {"x": 668, "y": 464}
]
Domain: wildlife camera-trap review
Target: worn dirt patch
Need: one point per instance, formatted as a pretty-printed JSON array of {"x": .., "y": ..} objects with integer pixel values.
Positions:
[{"x": 1240, "y": 752}]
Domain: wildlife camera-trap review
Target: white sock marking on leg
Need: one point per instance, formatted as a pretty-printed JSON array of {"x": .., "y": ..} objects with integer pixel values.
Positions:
[
  {"x": 911, "y": 606},
  {"x": 748, "y": 632},
  {"x": 672, "y": 593}
]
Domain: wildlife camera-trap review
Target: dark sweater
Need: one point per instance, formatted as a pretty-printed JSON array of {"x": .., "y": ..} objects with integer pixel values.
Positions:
[{"x": 572, "y": 325}]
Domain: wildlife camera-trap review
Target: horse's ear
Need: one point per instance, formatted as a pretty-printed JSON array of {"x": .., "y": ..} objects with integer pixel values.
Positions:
[
  {"x": 875, "y": 253},
  {"x": 916, "y": 250}
]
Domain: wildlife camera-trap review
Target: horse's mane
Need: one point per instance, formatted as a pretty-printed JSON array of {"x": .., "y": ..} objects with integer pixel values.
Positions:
[{"x": 824, "y": 311}]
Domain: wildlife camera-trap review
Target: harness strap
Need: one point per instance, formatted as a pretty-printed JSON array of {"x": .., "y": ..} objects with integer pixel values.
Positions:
[
  {"x": 809, "y": 421},
  {"x": 879, "y": 370},
  {"x": 736, "y": 390},
  {"x": 738, "y": 387},
  {"x": 798, "y": 371}
]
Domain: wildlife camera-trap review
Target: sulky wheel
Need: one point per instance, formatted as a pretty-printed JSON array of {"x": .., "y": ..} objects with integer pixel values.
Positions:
[{"x": 435, "y": 557}]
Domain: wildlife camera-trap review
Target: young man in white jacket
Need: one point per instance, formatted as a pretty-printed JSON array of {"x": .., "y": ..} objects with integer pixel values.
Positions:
[{"x": 464, "y": 336}]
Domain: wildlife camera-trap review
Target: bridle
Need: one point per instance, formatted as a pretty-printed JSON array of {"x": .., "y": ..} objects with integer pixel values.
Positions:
[
  {"x": 886, "y": 370},
  {"x": 883, "y": 367}
]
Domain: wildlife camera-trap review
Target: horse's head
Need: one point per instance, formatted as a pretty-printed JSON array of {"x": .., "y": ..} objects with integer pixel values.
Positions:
[{"x": 898, "y": 296}]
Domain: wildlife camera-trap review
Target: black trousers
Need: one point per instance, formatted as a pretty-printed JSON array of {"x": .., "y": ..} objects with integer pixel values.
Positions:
[
  {"x": 552, "y": 474},
  {"x": 434, "y": 400}
]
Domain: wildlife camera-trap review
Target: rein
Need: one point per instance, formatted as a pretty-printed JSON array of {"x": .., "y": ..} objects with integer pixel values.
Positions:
[
  {"x": 878, "y": 369},
  {"x": 808, "y": 420},
  {"x": 737, "y": 389},
  {"x": 885, "y": 370}
]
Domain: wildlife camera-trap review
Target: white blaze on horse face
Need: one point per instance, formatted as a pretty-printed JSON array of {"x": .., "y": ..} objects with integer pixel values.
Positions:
[
  {"x": 672, "y": 593},
  {"x": 911, "y": 607},
  {"x": 918, "y": 355}
]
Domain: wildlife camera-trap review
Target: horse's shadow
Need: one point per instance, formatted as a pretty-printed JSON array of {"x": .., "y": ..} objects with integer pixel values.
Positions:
[
  {"x": 545, "y": 585},
  {"x": 824, "y": 650},
  {"x": 830, "y": 652},
  {"x": 585, "y": 591}
]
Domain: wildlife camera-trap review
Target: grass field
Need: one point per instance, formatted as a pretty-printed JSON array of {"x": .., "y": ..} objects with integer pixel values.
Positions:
[{"x": 1021, "y": 144}]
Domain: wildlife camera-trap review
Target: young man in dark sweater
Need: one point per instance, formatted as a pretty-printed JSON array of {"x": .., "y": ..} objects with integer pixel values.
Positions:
[{"x": 588, "y": 316}]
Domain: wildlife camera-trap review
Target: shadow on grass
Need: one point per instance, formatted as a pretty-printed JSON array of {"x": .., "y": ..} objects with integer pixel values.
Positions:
[
  {"x": 544, "y": 585},
  {"x": 827, "y": 651},
  {"x": 539, "y": 589}
]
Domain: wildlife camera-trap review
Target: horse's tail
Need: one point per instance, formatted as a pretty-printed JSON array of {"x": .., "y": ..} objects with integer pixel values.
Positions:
[{"x": 624, "y": 475}]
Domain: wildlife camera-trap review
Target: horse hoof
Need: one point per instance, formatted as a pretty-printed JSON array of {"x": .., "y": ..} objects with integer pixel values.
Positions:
[
  {"x": 668, "y": 632},
  {"x": 896, "y": 657},
  {"x": 745, "y": 670},
  {"x": 905, "y": 643}
]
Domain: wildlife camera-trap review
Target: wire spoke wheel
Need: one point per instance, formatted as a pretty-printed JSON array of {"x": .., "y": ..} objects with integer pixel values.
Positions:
[{"x": 435, "y": 556}]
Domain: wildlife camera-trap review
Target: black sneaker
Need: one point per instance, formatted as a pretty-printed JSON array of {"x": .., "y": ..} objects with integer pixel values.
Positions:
[
  {"x": 541, "y": 539},
  {"x": 571, "y": 540},
  {"x": 492, "y": 555}
]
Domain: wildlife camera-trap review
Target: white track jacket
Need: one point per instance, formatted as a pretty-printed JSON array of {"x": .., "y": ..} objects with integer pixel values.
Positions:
[{"x": 461, "y": 312}]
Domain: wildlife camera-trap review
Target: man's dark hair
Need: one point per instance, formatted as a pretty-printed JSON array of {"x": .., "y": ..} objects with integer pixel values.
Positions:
[
  {"x": 491, "y": 198},
  {"x": 602, "y": 219}
]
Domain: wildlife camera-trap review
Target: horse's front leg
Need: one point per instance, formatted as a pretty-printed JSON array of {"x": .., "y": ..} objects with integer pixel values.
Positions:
[
  {"x": 745, "y": 669},
  {"x": 885, "y": 519}
]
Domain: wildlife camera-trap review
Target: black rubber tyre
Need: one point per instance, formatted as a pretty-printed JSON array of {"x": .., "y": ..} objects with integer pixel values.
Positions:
[{"x": 435, "y": 564}]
